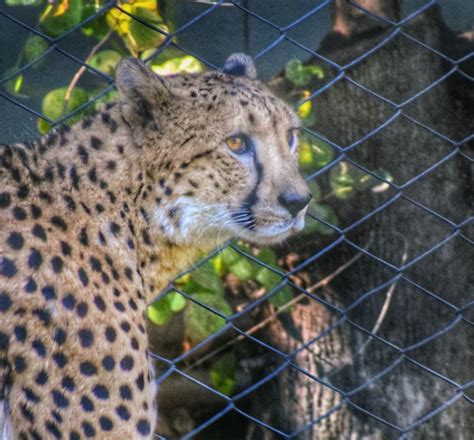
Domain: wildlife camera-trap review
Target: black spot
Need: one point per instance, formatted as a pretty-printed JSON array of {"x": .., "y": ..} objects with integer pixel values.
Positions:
[
  {"x": 119, "y": 306},
  {"x": 96, "y": 143},
  {"x": 5, "y": 200},
  {"x": 5, "y": 302},
  {"x": 7, "y": 267},
  {"x": 27, "y": 414},
  {"x": 143, "y": 426},
  {"x": 102, "y": 239},
  {"x": 19, "y": 364},
  {"x": 122, "y": 412},
  {"x": 35, "y": 259},
  {"x": 82, "y": 309},
  {"x": 74, "y": 436},
  {"x": 88, "y": 429},
  {"x": 30, "y": 286},
  {"x": 83, "y": 238},
  {"x": 57, "y": 416},
  {"x": 125, "y": 326},
  {"x": 4, "y": 341},
  {"x": 92, "y": 175},
  {"x": 57, "y": 264},
  {"x": 60, "y": 359},
  {"x": 30, "y": 395},
  {"x": 43, "y": 315},
  {"x": 110, "y": 334},
  {"x": 59, "y": 222},
  {"x": 59, "y": 399},
  {"x": 168, "y": 191},
  {"x": 83, "y": 154},
  {"x": 108, "y": 363},
  {"x": 20, "y": 333},
  {"x": 111, "y": 165},
  {"x": 43, "y": 195},
  {"x": 99, "y": 303},
  {"x": 74, "y": 177},
  {"x": 127, "y": 363},
  {"x": 140, "y": 382},
  {"x": 129, "y": 273},
  {"x": 134, "y": 343},
  {"x": 86, "y": 337},
  {"x": 125, "y": 392},
  {"x": 38, "y": 231},
  {"x": 69, "y": 301},
  {"x": 105, "y": 278},
  {"x": 19, "y": 213},
  {"x": 39, "y": 347},
  {"x": 83, "y": 277},
  {"x": 53, "y": 429},
  {"x": 99, "y": 208},
  {"x": 101, "y": 392},
  {"x": 49, "y": 293},
  {"x": 95, "y": 264},
  {"x": 68, "y": 383},
  {"x": 35, "y": 211},
  {"x": 105, "y": 423},
  {"x": 15, "y": 241},
  {"x": 87, "y": 368},
  {"x": 59, "y": 336},
  {"x": 70, "y": 203},
  {"x": 87, "y": 404},
  {"x": 114, "y": 228},
  {"x": 42, "y": 377},
  {"x": 65, "y": 249}
]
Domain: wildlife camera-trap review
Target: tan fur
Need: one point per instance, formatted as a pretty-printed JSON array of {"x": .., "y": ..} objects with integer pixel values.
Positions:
[{"x": 96, "y": 219}]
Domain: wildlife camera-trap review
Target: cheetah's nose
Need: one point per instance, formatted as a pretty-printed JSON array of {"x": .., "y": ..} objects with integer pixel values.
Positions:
[{"x": 294, "y": 202}]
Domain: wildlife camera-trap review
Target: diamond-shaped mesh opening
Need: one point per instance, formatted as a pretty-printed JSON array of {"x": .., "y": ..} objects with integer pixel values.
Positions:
[{"x": 360, "y": 326}]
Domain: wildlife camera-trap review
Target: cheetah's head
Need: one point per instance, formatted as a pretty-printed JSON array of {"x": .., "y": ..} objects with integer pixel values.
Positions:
[{"x": 220, "y": 150}]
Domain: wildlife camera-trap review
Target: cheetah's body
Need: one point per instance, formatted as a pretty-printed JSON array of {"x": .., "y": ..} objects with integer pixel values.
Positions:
[{"x": 95, "y": 220}]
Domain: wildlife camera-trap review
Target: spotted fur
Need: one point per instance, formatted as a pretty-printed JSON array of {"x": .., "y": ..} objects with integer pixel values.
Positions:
[{"x": 95, "y": 219}]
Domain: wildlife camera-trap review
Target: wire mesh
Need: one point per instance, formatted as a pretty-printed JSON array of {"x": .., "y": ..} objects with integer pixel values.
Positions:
[{"x": 399, "y": 193}]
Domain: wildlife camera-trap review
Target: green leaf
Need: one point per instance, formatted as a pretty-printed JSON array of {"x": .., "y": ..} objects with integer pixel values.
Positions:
[
  {"x": 200, "y": 322},
  {"x": 181, "y": 64},
  {"x": 326, "y": 213},
  {"x": 106, "y": 61},
  {"x": 160, "y": 312},
  {"x": 207, "y": 278},
  {"x": 177, "y": 302},
  {"x": 98, "y": 27},
  {"x": 53, "y": 103},
  {"x": 268, "y": 256},
  {"x": 14, "y": 84},
  {"x": 23, "y": 2},
  {"x": 34, "y": 48},
  {"x": 315, "y": 190},
  {"x": 282, "y": 297},
  {"x": 267, "y": 278},
  {"x": 323, "y": 153},
  {"x": 296, "y": 74},
  {"x": 243, "y": 269},
  {"x": 229, "y": 256},
  {"x": 222, "y": 373},
  {"x": 143, "y": 37},
  {"x": 66, "y": 15}
]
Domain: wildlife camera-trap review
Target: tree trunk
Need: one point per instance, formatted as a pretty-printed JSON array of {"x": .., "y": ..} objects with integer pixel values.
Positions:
[{"x": 384, "y": 392}]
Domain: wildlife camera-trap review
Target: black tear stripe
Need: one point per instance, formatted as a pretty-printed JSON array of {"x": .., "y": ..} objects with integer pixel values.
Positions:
[{"x": 248, "y": 221}]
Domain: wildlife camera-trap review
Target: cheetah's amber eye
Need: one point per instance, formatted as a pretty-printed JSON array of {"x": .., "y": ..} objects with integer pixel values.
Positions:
[
  {"x": 292, "y": 138},
  {"x": 237, "y": 144}
]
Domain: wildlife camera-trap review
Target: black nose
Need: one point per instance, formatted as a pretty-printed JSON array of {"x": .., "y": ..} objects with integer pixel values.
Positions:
[{"x": 293, "y": 201}]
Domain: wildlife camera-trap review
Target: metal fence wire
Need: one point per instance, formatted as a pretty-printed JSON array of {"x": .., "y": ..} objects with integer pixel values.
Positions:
[{"x": 454, "y": 315}]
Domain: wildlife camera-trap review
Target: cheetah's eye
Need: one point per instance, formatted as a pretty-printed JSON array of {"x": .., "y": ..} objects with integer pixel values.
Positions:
[
  {"x": 238, "y": 144},
  {"x": 292, "y": 137}
]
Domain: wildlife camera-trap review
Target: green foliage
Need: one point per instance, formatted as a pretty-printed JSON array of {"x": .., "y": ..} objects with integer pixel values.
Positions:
[
  {"x": 222, "y": 373},
  {"x": 301, "y": 75},
  {"x": 34, "y": 48},
  {"x": 106, "y": 61}
]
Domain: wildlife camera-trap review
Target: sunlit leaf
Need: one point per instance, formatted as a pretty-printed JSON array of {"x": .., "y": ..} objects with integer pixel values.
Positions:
[
  {"x": 177, "y": 302},
  {"x": 229, "y": 256},
  {"x": 160, "y": 312},
  {"x": 207, "y": 278},
  {"x": 222, "y": 373},
  {"x": 23, "y": 2},
  {"x": 267, "y": 278},
  {"x": 243, "y": 269},
  {"x": 326, "y": 213},
  {"x": 343, "y": 180},
  {"x": 182, "y": 64}
]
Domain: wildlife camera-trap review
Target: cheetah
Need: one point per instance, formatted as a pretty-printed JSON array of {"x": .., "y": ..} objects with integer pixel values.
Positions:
[{"x": 97, "y": 218}]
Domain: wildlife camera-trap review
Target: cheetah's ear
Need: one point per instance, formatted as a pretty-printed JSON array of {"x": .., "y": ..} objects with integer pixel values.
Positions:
[
  {"x": 239, "y": 64},
  {"x": 142, "y": 90}
]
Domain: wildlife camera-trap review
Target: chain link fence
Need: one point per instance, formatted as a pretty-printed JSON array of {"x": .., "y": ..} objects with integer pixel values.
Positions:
[{"x": 362, "y": 327}]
